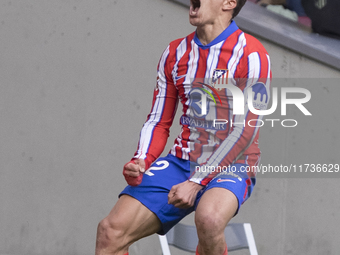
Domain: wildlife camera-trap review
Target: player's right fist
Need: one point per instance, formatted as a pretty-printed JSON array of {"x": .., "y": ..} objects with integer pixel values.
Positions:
[{"x": 133, "y": 171}]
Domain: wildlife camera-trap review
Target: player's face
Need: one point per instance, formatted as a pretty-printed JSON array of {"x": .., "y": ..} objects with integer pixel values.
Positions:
[{"x": 205, "y": 12}]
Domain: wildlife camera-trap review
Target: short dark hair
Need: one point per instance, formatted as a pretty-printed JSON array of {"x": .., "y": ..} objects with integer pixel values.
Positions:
[{"x": 238, "y": 7}]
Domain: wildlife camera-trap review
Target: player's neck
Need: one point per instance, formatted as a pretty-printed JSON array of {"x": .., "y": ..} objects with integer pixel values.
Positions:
[{"x": 207, "y": 33}]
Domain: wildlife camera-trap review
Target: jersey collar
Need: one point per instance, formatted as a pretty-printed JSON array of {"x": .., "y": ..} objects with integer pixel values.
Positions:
[{"x": 223, "y": 36}]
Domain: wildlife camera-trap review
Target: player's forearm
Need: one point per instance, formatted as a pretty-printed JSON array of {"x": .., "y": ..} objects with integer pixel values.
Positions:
[
  {"x": 155, "y": 131},
  {"x": 155, "y": 147}
]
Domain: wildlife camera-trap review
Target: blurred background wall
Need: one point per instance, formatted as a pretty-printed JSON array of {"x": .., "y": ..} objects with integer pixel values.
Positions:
[{"x": 76, "y": 85}]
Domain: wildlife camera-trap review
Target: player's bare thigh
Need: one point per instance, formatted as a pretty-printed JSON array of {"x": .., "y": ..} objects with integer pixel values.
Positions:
[
  {"x": 215, "y": 209},
  {"x": 128, "y": 221}
]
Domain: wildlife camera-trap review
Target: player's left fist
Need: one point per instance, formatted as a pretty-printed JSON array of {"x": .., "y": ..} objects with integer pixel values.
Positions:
[
  {"x": 183, "y": 195},
  {"x": 133, "y": 171}
]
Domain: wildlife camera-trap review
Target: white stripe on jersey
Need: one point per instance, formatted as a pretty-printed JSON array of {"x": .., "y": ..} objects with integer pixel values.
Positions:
[
  {"x": 254, "y": 69},
  {"x": 236, "y": 56},
  {"x": 181, "y": 49},
  {"x": 191, "y": 73},
  {"x": 192, "y": 63},
  {"x": 157, "y": 110},
  {"x": 212, "y": 62}
]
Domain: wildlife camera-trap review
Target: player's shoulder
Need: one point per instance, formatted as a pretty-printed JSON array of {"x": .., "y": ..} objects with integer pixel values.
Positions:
[
  {"x": 253, "y": 44},
  {"x": 175, "y": 43},
  {"x": 172, "y": 49},
  {"x": 169, "y": 55}
]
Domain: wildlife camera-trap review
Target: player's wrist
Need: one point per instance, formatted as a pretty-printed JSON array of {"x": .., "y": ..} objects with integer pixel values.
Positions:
[
  {"x": 196, "y": 184},
  {"x": 147, "y": 162}
]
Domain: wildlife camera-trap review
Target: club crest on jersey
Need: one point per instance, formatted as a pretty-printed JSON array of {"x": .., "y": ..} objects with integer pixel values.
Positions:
[{"x": 220, "y": 78}]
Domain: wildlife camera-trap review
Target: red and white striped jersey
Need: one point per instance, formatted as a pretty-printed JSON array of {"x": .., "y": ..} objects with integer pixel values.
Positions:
[{"x": 193, "y": 74}]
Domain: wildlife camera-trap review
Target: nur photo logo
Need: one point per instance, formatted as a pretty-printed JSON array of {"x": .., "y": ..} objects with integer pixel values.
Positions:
[{"x": 254, "y": 97}]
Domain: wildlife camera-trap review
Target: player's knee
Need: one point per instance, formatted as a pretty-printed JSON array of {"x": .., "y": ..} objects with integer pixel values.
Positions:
[
  {"x": 110, "y": 233},
  {"x": 209, "y": 227}
]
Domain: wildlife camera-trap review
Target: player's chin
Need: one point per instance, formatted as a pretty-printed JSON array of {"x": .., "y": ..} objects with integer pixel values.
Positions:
[{"x": 194, "y": 21}]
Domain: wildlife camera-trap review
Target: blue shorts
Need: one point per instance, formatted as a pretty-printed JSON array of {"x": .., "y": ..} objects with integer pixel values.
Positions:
[{"x": 168, "y": 171}]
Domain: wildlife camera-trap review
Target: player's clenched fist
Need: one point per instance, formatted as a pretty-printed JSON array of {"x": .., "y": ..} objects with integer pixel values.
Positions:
[
  {"x": 133, "y": 171},
  {"x": 183, "y": 195}
]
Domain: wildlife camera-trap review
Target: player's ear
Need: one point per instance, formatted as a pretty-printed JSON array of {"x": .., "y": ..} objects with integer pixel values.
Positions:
[{"x": 229, "y": 4}]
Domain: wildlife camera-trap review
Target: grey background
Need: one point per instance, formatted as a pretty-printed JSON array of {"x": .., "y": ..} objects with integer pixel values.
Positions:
[{"x": 76, "y": 86}]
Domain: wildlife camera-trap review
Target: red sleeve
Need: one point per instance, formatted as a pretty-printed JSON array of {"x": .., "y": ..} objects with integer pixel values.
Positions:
[{"x": 155, "y": 131}]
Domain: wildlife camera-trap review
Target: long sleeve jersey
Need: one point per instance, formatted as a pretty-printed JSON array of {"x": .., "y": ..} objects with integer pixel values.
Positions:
[{"x": 193, "y": 75}]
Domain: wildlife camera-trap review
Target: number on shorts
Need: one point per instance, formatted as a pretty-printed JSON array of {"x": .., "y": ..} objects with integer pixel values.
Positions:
[{"x": 161, "y": 166}]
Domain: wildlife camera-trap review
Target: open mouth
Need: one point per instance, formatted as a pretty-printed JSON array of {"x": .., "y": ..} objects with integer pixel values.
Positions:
[{"x": 196, "y": 4}]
